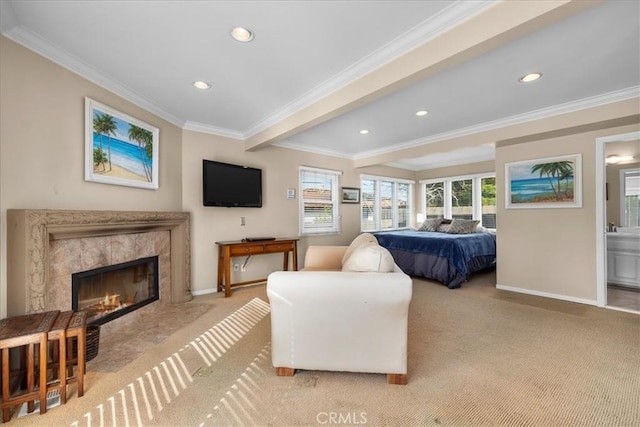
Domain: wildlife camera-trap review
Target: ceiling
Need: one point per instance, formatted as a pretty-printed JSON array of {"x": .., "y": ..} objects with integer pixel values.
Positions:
[{"x": 306, "y": 53}]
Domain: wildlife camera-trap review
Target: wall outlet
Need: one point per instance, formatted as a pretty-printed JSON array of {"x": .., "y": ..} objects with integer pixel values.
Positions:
[
  {"x": 242, "y": 221},
  {"x": 243, "y": 268},
  {"x": 236, "y": 267}
]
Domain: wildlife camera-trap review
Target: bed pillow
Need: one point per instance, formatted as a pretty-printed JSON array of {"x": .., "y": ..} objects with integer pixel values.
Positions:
[
  {"x": 369, "y": 257},
  {"x": 430, "y": 224},
  {"x": 444, "y": 225},
  {"x": 361, "y": 239},
  {"x": 463, "y": 226}
]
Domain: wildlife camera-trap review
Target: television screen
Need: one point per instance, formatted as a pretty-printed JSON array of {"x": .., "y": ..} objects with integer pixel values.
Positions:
[{"x": 228, "y": 185}]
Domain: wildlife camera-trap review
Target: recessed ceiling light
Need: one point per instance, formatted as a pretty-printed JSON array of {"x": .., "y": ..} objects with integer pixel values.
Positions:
[
  {"x": 202, "y": 85},
  {"x": 242, "y": 34},
  {"x": 422, "y": 113},
  {"x": 530, "y": 77},
  {"x": 364, "y": 131}
]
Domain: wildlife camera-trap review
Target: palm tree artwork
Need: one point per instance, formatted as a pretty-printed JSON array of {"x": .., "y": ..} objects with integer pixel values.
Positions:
[
  {"x": 144, "y": 138},
  {"x": 540, "y": 182},
  {"x": 556, "y": 172},
  {"x": 105, "y": 126}
]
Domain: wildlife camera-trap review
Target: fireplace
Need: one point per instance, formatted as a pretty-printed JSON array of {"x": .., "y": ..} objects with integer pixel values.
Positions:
[{"x": 109, "y": 292}]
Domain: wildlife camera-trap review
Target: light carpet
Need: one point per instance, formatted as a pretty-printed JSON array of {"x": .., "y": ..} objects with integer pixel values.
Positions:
[{"x": 477, "y": 356}]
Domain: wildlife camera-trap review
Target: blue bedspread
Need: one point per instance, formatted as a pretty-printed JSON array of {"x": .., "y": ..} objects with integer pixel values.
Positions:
[{"x": 459, "y": 249}]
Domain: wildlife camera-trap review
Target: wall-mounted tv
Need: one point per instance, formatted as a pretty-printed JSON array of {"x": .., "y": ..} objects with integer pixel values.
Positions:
[{"x": 228, "y": 185}]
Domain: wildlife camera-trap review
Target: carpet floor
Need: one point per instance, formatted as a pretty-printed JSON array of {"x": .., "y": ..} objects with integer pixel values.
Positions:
[{"x": 477, "y": 356}]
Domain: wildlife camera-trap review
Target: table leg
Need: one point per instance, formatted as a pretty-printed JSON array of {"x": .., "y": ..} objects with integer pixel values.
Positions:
[
  {"x": 43, "y": 373},
  {"x": 295, "y": 256},
  {"x": 220, "y": 268},
  {"x": 227, "y": 274},
  {"x": 6, "y": 393},
  {"x": 285, "y": 265},
  {"x": 30, "y": 373}
]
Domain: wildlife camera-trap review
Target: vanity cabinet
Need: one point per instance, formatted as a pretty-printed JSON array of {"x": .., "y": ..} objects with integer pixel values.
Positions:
[{"x": 623, "y": 259}]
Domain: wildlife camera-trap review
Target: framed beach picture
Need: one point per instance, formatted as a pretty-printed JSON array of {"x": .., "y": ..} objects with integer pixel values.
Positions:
[
  {"x": 553, "y": 182},
  {"x": 350, "y": 195},
  {"x": 119, "y": 149}
]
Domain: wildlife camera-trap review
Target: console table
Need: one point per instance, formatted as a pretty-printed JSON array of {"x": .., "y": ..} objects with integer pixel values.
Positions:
[{"x": 237, "y": 248}]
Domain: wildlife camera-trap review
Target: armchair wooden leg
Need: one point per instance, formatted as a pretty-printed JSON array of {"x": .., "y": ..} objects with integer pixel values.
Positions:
[
  {"x": 397, "y": 379},
  {"x": 285, "y": 372}
]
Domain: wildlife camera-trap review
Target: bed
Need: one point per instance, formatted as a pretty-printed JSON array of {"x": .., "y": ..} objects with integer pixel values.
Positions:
[{"x": 447, "y": 258}]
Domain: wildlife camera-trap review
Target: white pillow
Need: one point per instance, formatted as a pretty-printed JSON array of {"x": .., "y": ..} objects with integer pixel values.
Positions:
[
  {"x": 364, "y": 238},
  {"x": 369, "y": 257}
]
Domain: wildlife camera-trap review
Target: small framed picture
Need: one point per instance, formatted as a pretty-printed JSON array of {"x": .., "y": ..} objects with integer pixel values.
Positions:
[{"x": 350, "y": 195}]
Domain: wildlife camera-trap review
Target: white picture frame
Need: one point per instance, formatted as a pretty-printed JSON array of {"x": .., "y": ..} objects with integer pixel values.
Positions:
[
  {"x": 119, "y": 149},
  {"x": 552, "y": 182}
]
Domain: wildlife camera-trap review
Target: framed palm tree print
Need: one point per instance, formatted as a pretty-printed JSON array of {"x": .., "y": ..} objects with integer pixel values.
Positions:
[
  {"x": 119, "y": 149},
  {"x": 553, "y": 182}
]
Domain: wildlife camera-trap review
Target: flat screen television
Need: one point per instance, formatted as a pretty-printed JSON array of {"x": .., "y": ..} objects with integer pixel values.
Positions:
[{"x": 228, "y": 185}]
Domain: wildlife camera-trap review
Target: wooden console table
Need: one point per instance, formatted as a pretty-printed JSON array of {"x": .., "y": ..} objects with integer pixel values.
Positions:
[{"x": 237, "y": 248}]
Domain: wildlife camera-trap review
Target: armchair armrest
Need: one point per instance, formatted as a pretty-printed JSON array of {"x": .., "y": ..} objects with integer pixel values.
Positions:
[{"x": 324, "y": 257}]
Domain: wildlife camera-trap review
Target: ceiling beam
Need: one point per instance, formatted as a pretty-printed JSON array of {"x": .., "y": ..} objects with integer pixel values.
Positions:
[{"x": 492, "y": 27}]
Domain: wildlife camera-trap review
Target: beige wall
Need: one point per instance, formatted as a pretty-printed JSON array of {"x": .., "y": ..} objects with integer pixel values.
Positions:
[
  {"x": 42, "y": 145},
  {"x": 613, "y": 181},
  {"x": 551, "y": 252},
  {"x": 278, "y": 216}
]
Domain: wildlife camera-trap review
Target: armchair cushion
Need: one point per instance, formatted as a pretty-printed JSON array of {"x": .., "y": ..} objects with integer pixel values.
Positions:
[
  {"x": 369, "y": 257},
  {"x": 361, "y": 239}
]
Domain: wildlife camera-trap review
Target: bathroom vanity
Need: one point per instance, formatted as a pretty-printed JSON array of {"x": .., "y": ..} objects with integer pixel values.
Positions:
[{"x": 623, "y": 257}]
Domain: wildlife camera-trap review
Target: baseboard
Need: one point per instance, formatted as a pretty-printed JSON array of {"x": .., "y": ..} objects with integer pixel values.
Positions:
[
  {"x": 205, "y": 292},
  {"x": 547, "y": 295}
]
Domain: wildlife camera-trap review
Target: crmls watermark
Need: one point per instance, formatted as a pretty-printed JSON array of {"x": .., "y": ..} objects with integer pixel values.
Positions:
[{"x": 351, "y": 418}]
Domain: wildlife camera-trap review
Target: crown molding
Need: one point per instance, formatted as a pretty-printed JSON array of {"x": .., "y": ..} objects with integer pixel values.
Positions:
[
  {"x": 429, "y": 165},
  {"x": 42, "y": 47},
  {"x": 213, "y": 130},
  {"x": 543, "y": 113},
  {"x": 418, "y": 35},
  {"x": 314, "y": 150}
]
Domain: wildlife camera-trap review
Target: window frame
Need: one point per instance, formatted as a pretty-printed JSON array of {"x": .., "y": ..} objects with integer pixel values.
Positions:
[
  {"x": 335, "y": 227},
  {"x": 623, "y": 194},
  {"x": 377, "y": 211},
  {"x": 448, "y": 204}
]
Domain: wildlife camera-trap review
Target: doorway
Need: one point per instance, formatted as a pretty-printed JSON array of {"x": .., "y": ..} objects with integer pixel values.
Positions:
[{"x": 618, "y": 272}]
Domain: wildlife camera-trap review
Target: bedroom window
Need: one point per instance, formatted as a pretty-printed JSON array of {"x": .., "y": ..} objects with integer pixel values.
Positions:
[
  {"x": 319, "y": 201},
  {"x": 465, "y": 197},
  {"x": 630, "y": 197},
  {"x": 385, "y": 203}
]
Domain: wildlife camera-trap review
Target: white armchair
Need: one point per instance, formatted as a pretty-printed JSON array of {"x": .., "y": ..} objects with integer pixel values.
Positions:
[{"x": 323, "y": 318}]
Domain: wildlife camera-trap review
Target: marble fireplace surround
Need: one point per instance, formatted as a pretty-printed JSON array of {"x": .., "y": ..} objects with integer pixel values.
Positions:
[{"x": 29, "y": 233}]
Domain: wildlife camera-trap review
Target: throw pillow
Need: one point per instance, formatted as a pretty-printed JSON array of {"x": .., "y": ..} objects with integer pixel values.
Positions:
[
  {"x": 369, "y": 257},
  {"x": 463, "y": 226},
  {"x": 430, "y": 224},
  {"x": 444, "y": 225},
  {"x": 362, "y": 239}
]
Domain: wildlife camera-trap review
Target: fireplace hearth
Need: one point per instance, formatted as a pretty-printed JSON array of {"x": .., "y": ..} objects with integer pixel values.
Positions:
[{"x": 107, "y": 293}]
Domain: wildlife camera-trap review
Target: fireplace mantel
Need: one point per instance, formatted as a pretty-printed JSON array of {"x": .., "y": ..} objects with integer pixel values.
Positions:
[{"x": 29, "y": 233}]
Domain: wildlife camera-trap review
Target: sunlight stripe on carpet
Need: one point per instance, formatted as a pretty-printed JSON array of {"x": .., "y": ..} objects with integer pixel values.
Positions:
[{"x": 170, "y": 377}]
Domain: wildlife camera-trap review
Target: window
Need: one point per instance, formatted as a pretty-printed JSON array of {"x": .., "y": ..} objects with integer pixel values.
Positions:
[
  {"x": 630, "y": 197},
  {"x": 319, "y": 201},
  {"x": 468, "y": 197},
  {"x": 435, "y": 200},
  {"x": 462, "y": 199},
  {"x": 385, "y": 203}
]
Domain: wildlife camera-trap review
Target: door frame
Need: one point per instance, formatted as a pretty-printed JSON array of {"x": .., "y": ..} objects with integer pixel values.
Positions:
[{"x": 601, "y": 243}]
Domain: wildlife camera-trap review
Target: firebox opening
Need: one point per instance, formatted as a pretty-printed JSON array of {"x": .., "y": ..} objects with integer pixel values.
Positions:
[{"x": 112, "y": 291}]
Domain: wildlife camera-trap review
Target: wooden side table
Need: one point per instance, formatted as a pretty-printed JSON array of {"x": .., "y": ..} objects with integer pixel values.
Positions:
[
  {"x": 77, "y": 328},
  {"x": 57, "y": 337},
  {"x": 237, "y": 248},
  {"x": 28, "y": 330}
]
